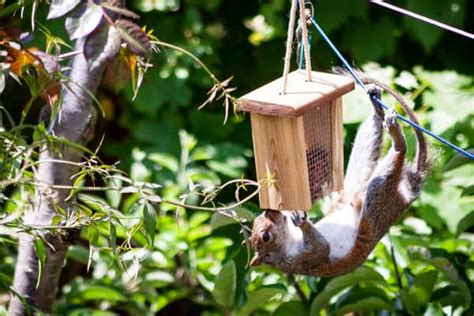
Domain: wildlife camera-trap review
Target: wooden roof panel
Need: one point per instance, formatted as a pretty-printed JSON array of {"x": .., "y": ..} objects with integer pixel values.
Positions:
[{"x": 301, "y": 95}]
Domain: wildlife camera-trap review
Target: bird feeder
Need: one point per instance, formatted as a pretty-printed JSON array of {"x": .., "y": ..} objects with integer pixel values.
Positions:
[{"x": 298, "y": 138}]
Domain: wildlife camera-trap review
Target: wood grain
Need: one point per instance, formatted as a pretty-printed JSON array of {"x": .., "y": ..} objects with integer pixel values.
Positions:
[
  {"x": 280, "y": 155},
  {"x": 301, "y": 95},
  {"x": 337, "y": 146}
]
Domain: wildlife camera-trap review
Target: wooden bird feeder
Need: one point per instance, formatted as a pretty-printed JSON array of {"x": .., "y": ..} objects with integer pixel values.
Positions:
[{"x": 298, "y": 138}]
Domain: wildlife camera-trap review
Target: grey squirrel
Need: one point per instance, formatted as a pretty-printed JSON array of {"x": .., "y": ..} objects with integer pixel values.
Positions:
[{"x": 376, "y": 193}]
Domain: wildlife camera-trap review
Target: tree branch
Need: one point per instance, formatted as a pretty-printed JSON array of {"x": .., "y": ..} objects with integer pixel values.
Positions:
[{"x": 77, "y": 123}]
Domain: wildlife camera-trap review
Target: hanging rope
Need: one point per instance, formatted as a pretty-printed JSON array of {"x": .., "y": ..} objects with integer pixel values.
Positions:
[
  {"x": 304, "y": 30},
  {"x": 380, "y": 102},
  {"x": 309, "y": 9},
  {"x": 423, "y": 18},
  {"x": 289, "y": 41},
  {"x": 289, "y": 45}
]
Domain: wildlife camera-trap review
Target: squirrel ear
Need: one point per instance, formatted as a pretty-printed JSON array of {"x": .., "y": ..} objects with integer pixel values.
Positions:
[{"x": 256, "y": 261}]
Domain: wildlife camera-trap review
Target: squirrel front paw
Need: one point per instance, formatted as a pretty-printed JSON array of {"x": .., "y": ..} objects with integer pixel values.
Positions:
[
  {"x": 375, "y": 93},
  {"x": 297, "y": 219}
]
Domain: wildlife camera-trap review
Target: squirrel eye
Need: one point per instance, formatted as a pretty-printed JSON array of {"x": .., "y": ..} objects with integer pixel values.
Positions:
[{"x": 266, "y": 237}]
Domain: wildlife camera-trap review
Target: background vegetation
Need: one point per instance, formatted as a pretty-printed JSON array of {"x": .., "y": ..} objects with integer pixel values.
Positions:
[{"x": 191, "y": 262}]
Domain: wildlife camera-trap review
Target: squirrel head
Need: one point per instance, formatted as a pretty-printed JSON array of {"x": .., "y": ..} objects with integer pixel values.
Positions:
[{"x": 268, "y": 237}]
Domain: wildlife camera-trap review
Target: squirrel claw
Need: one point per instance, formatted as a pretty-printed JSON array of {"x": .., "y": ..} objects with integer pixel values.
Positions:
[
  {"x": 297, "y": 219},
  {"x": 375, "y": 93},
  {"x": 373, "y": 90}
]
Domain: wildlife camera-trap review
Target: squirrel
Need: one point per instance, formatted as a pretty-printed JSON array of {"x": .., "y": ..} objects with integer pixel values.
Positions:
[{"x": 376, "y": 193}]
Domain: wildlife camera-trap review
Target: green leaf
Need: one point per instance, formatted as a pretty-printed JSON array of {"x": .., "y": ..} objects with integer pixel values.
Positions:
[
  {"x": 219, "y": 220},
  {"x": 450, "y": 12},
  {"x": 362, "y": 274},
  {"x": 83, "y": 20},
  {"x": 93, "y": 235},
  {"x": 465, "y": 223},
  {"x": 149, "y": 221},
  {"x": 225, "y": 285},
  {"x": 165, "y": 160},
  {"x": 103, "y": 293},
  {"x": 58, "y": 8},
  {"x": 458, "y": 160},
  {"x": 468, "y": 191},
  {"x": 453, "y": 295},
  {"x": 101, "y": 46},
  {"x": 159, "y": 279},
  {"x": 40, "y": 251},
  {"x": 78, "y": 253},
  {"x": 114, "y": 196},
  {"x": 260, "y": 297},
  {"x": 418, "y": 294},
  {"x": 447, "y": 88},
  {"x": 370, "y": 304},
  {"x": 290, "y": 308},
  {"x": 112, "y": 234}
]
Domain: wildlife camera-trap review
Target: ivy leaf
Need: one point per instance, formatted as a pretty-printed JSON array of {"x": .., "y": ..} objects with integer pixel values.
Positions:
[
  {"x": 136, "y": 39},
  {"x": 100, "y": 46},
  {"x": 59, "y": 8},
  {"x": 83, "y": 20}
]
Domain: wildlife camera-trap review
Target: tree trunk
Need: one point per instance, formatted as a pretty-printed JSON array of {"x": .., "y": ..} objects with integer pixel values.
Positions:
[{"x": 76, "y": 124}]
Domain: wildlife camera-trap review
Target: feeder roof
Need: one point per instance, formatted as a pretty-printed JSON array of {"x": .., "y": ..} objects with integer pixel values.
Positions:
[{"x": 300, "y": 96}]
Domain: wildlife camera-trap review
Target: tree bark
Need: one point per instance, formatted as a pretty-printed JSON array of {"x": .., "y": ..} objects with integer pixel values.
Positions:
[{"x": 76, "y": 123}]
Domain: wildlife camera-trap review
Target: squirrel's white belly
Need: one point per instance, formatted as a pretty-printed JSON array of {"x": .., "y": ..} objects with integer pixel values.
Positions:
[{"x": 340, "y": 230}]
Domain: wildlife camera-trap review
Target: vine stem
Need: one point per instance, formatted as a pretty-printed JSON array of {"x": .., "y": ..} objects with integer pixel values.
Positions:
[
  {"x": 187, "y": 206},
  {"x": 193, "y": 57}
]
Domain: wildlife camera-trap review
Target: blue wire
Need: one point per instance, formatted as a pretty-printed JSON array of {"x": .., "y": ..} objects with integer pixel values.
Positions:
[{"x": 380, "y": 102}]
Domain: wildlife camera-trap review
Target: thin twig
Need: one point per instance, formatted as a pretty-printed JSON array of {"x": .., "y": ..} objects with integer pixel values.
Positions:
[
  {"x": 395, "y": 265},
  {"x": 298, "y": 289}
]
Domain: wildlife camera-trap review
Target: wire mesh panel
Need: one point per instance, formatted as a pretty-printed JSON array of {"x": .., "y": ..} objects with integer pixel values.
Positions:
[{"x": 317, "y": 129}]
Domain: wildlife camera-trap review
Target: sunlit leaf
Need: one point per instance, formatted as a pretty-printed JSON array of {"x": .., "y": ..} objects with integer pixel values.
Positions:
[
  {"x": 59, "y": 8},
  {"x": 101, "y": 46},
  {"x": 83, "y": 20},
  {"x": 103, "y": 293}
]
